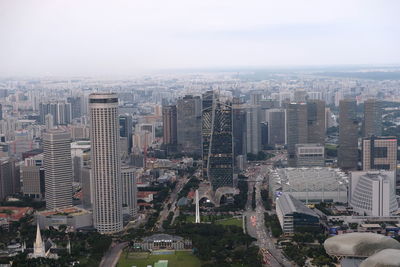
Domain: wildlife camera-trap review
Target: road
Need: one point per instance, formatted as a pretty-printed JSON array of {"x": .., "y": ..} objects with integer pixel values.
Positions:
[
  {"x": 111, "y": 257},
  {"x": 255, "y": 221},
  {"x": 171, "y": 200}
]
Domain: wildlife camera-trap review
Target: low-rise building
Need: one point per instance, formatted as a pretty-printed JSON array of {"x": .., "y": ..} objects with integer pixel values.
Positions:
[
  {"x": 73, "y": 217},
  {"x": 310, "y": 155},
  {"x": 293, "y": 215},
  {"x": 163, "y": 241},
  {"x": 310, "y": 185}
]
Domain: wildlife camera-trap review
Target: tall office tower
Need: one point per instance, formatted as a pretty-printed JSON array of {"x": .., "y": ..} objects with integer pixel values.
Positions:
[
  {"x": 348, "y": 135},
  {"x": 379, "y": 153},
  {"x": 276, "y": 119},
  {"x": 63, "y": 113},
  {"x": 32, "y": 173},
  {"x": 296, "y": 126},
  {"x": 239, "y": 127},
  {"x": 217, "y": 141},
  {"x": 316, "y": 121},
  {"x": 87, "y": 187},
  {"x": 7, "y": 178},
  {"x": 125, "y": 129},
  {"x": 76, "y": 106},
  {"x": 264, "y": 135},
  {"x": 189, "y": 125},
  {"x": 253, "y": 129},
  {"x": 106, "y": 162},
  {"x": 57, "y": 168},
  {"x": 169, "y": 114},
  {"x": 129, "y": 189},
  {"x": 1, "y": 112},
  {"x": 372, "y": 118}
]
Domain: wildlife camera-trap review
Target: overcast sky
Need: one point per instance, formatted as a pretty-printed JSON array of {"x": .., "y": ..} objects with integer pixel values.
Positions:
[{"x": 122, "y": 37}]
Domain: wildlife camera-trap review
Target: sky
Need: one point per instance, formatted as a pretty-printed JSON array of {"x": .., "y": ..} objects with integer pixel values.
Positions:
[{"x": 95, "y": 37}]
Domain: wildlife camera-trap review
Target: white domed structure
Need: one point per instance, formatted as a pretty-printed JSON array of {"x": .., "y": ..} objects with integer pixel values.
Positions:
[
  {"x": 358, "y": 244},
  {"x": 384, "y": 258}
]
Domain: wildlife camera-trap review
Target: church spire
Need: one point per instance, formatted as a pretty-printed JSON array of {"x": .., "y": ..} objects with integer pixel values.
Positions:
[{"x": 38, "y": 247}]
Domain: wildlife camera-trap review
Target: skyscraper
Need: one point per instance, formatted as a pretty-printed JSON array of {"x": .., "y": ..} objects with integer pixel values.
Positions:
[
  {"x": 253, "y": 129},
  {"x": 76, "y": 106},
  {"x": 7, "y": 177},
  {"x": 169, "y": 114},
  {"x": 189, "y": 124},
  {"x": 125, "y": 129},
  {"x": 372, "y": 118},
  {"x": 106, "y": 163},
  {"x": 57, "y": 168},
  {"x": 239, "y": 128},
  {"x": 217, "y": 141},
  {"x": 316, "y": 121},
  {"x": 276, "y": 119},
  {"x": 129, "y": 189},
  {"x": 348, "y": 135},
  {"x": 379, "y": 153},
  {"x": 297, "y": 131},
  {"x": 61, "y": 112}
]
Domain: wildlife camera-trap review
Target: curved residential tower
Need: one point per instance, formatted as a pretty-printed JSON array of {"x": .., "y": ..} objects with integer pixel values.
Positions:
[{"x": 106, "y": 164}]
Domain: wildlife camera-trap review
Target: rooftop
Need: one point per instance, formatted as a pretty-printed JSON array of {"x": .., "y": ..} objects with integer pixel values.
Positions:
[
  {"x": 290, "y": 204},
  {"x": 71, "y": 211},
  {"x": 14, "y": 213},
  {"x": 162, "y": 237}
]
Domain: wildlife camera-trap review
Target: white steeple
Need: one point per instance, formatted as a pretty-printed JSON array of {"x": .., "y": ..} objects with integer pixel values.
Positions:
[
  {"x": 197, "y": 207},
  {"x": 38, "y": 247}
]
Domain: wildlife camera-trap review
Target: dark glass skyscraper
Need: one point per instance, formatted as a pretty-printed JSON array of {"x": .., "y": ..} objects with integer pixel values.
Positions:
[
  {"x": 348, "y": 135},
  {"x": 217, "y": 141},
  {"x": 316, "y": 121},
  {"x": 125, "y": 129},
  {"x": 189, "y": 125},
  {"x": 169, "y": 125},
  {"x": 296, "y": 125},
  {"x": 372, "y": 118},
  {"x": 239, "y": 128}
]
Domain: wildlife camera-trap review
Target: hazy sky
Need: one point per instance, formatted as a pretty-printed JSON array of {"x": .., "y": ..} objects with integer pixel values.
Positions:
[{"x": 74, "y": 37}]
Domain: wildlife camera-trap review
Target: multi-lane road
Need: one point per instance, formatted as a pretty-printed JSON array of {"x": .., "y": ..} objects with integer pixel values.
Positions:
[
  {"x": 111, "y": 257},
  {"x": 255, "y": 224},
  {"x": 171, "y": 200}
]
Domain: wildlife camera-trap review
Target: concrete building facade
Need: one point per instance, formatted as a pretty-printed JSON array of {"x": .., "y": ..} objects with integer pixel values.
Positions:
[
  {"x": 106, "y": 162},
  {"x": 58, "y": 168}
]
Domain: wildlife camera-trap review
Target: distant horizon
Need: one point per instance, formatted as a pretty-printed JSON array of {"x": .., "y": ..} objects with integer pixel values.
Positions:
[
  {"x": 125, "y": 37},
  {"x": 339, "y": 68}
]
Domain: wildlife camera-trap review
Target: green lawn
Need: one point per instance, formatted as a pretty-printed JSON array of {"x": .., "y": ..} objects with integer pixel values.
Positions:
[
  {"x": 179, "y": 259},
  {"x": 231, "y": 221}
]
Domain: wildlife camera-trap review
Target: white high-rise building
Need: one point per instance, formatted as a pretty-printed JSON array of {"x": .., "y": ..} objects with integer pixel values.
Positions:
[
  {"x": 57, "y": 168},
  {"x": 373, "y": 193},
  {"x": 129, "y": 189},
  {"x": 106, "y": 162}
]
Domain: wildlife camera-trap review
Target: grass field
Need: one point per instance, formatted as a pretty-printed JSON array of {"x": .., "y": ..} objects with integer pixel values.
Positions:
[
  {"x": 231, "y": 221},
  {"x": 179, "y": 259}
]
